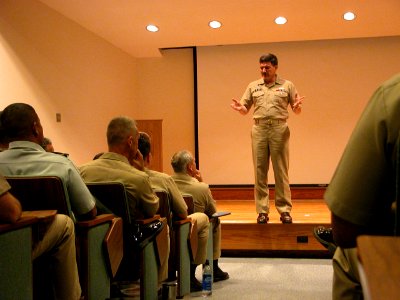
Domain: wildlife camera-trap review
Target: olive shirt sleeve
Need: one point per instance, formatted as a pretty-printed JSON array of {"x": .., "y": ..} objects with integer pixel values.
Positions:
[
  {"x": 149, "y": 201},
  {"x": 292, "y": 93},
  {"x": 4, "y": 185},
  {"x": 361, "y": 190},
  {"x": 247, "y": 98},
  {"x": 82, "y": 201},
  {"x": 205, "y": 200},
  {"x": 178, "y": 203}
]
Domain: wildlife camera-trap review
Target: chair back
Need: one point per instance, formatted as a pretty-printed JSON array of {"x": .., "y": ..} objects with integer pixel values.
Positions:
[
  {"x": 113, "y": 196},
  {"x": 164, "y": 209},
  {"x": 189, "y": 202},
  {"x": 41, "y": 193}
]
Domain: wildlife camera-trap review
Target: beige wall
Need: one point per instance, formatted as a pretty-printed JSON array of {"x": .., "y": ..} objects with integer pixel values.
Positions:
[
  {"x": 59, "y": 67},
  {"x": 56, "y": 66},
  {"x": 337, "y": 77},
  {"x": 165, "y": 91}
]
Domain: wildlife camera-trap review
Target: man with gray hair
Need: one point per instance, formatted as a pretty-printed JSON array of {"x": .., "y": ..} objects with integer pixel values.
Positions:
[
  {"x": 189, "y": 181},
  {"x": 179, "y": 208}
]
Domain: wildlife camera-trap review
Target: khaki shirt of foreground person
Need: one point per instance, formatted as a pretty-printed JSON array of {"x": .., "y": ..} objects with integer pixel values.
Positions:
[{"x": 142, "y": 201}]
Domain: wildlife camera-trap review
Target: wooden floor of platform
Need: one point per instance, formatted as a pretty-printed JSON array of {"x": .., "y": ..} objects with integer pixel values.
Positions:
[{"x": 242, "y": 235}]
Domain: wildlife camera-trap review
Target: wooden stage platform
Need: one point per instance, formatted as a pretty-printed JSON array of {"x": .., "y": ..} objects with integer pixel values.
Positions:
[{"x": 242, "y": 236}]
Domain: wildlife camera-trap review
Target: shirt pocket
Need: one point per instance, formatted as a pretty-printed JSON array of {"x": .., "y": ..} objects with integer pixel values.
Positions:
[
  {"x": 280, "y": 97},
  {"x": 258, "y": 97}
]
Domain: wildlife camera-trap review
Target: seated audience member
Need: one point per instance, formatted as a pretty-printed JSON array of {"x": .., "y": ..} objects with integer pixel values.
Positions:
[
  {"x": 3, "y": 140},
  {"x": 162, "y": 181},
  {"x": 55, "y": 239},
  {"x": 189, "y": 181},
  {"x": 115, "y": 165},
  {"x": 47, "y": 145},
  {"x": 362, "y": 191},
  {"x": 25, "y": 156}
]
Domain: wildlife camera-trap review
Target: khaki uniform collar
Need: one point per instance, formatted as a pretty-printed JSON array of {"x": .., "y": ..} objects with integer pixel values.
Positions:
[{"x": 278, "y": 80}]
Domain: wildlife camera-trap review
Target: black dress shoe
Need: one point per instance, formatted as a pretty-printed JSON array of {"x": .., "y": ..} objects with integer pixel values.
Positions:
[
  {"x": 262, "y": 218},
  {"x": 286, "y": 218},
  {"x": 220, "y": 275},
  {"x": 325, "y": 237}
]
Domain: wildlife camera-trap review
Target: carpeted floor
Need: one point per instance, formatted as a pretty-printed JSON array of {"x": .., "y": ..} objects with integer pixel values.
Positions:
[{"x": 272, "y": 278}]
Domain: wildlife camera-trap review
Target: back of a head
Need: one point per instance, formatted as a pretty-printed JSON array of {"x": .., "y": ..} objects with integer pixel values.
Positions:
[
  {"x": 17, "y": 120},
  {"x": 144, "y": 144},
  {"x": 180, "y": 161},
  {"x": 47, "y": 145},
  {"x": 3, "y": 138},
  {"x": 119, "y": 129}
]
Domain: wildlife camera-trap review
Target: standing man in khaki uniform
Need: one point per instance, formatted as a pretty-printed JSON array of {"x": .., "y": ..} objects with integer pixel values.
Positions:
[{"x": 270, "y": 134}]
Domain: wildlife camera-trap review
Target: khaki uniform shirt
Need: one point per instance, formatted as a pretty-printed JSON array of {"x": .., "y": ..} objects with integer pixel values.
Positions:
[
  {"x": 270, "y": 101},
  {"x": 362, "y": 188},
  {"x": 143, "y": 202},
  {"x": 165, "y": 182},
  {"x": 200, "y": 191},
  {"x": 4, "y": 186}
]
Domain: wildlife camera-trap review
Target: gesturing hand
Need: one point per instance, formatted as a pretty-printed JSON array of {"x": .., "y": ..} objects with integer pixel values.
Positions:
[
  {"x": 239, "y": 107},
  {"x": 298, "y": 104}
]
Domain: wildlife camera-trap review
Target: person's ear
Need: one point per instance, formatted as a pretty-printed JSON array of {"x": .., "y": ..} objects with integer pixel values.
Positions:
[
  {"x": 130, "y": 141},
  {"x": 35, "y": 129}
]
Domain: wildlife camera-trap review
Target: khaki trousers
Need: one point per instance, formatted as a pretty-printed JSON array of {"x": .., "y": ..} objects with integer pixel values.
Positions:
[
  {"x": 58, "y": 241},
  {"x": 271, "y": 141},
  {"x": 346, "y": 279},
  {"x": 203, "y": 225},
  {"x": 216, "y": 238}
]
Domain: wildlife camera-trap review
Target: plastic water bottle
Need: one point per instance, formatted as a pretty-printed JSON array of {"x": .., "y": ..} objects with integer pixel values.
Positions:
[{"x": 207, "y": 280}]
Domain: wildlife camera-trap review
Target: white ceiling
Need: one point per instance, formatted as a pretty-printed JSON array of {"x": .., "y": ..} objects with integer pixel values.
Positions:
[{"x": 185, "y": 22}]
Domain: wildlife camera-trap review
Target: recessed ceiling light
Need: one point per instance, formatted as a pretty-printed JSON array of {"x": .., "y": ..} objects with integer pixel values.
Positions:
[
  {"x": 280, "y": 20},
  {"x": 349, "y": 16},
  {"x": 215, "y": 24},
  {"x": 152, "y": 28}
]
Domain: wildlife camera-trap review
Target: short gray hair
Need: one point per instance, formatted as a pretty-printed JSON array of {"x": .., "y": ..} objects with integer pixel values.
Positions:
[
  {"x": 180, "y": 161},
  {"x": 119, "y": 129}
]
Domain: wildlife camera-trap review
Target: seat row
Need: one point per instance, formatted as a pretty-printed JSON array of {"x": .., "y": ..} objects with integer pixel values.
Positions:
[{"x": 102, "y": 243}]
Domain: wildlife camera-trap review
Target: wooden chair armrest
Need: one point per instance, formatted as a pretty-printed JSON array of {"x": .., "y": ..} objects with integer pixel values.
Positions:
[
  {"x": 114, "y": 246},
  {"x": 181, "y": 222},
  {"x": 42, "y": 215},
  {"x": 148, "y": 220},
  {"x": 162, "y": 242},
  {"x": 23, "y": 222},
  {"x": 193, "y": 238},
  {"x": 96, "y": 221}
]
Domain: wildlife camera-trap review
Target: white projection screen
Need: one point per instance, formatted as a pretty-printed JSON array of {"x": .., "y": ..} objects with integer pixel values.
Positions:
[{"x": 337, "y": 77}]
